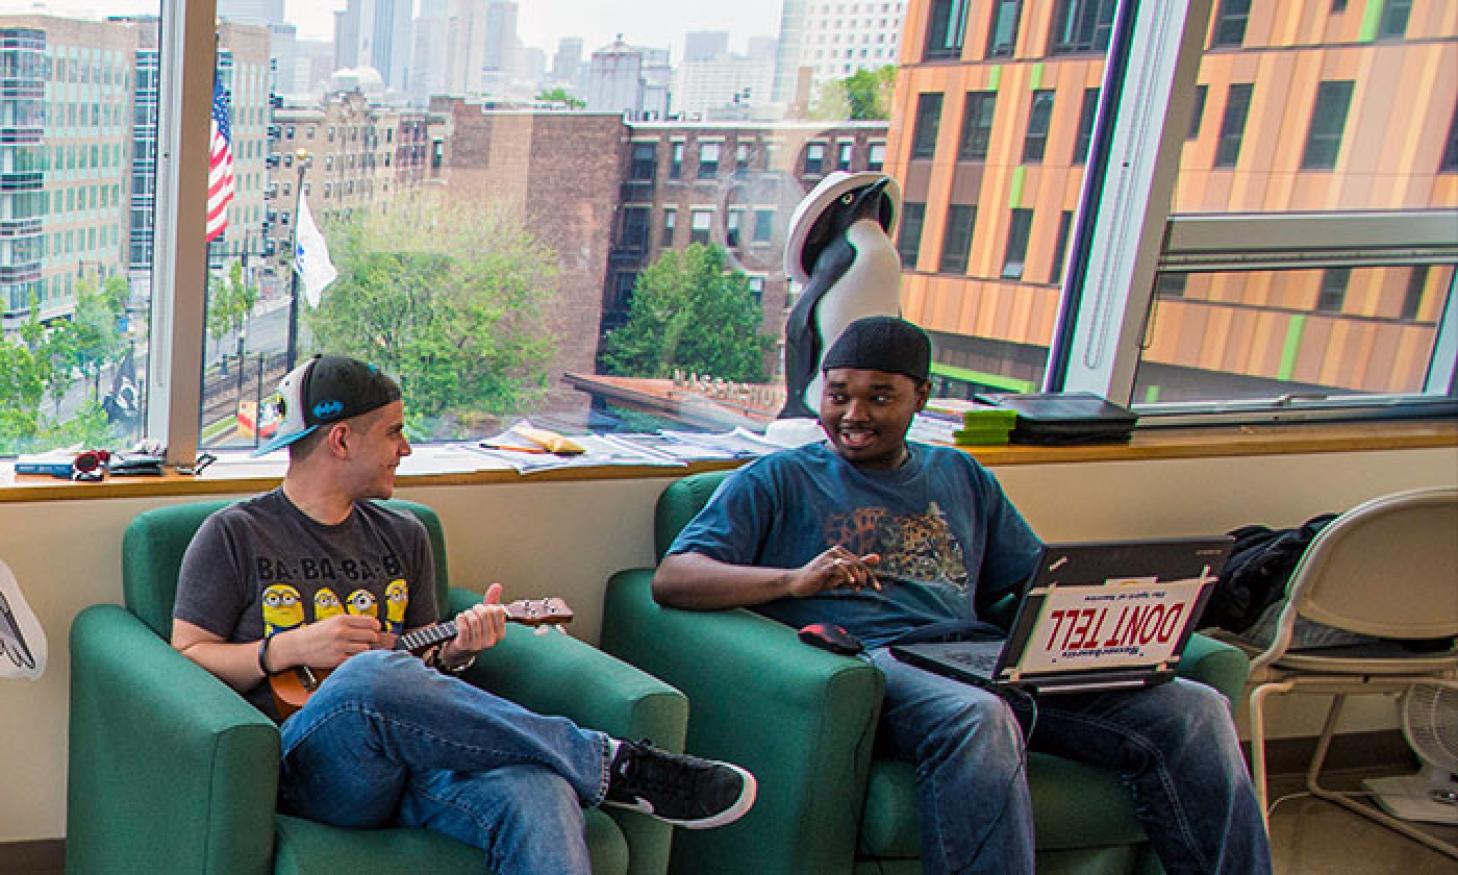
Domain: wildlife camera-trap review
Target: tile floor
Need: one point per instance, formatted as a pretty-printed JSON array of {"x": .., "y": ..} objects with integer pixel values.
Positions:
[{"x": 1314, "y": 837}]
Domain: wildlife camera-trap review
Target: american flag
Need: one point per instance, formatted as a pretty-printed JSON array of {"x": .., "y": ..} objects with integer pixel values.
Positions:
[{"x": 220, "y": 164}]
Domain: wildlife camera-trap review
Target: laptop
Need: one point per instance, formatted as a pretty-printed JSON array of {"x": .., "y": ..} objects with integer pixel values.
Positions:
[{"x": 1092, "y": 617}]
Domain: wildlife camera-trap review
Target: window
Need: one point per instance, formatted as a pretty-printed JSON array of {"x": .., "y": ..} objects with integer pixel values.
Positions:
[
  {"x": 1170, "y": 285},
  {"x": 977, "y": 113},
  {"x": 1394, "y": 19},
  {"x": 764, "y": 226},
  {"x": 909, "y": 243},
  {"x": 1328, "y": 118},
  {"x": 1060, "y": 248},
  {"x": 1333, "y": 291},
  {"x": 1198, "y": 113},
  {"x": 708, "y": 160},
  {"x": 699, "y": 223},
  {"x": 1232, "y": 126},
  {"x": 1019, "y": 228},
  {"x": 635, "y": 229},
  {"x": 1230, "y": 22},
  {"x": 814, "y": 159},
  {"x": 756, "y": 289},
  {"x": 946, "y": 23},
  {"x": 644, "y": 162},
  {"x": 1082, "y": 26},
  {"x": 1040, "y": 114},
  {"x": 1002, "y": 36},
  {"x": 675, "y": 162},
  {"x": 732, "y": 220},
  {"x": 928, "y": 119},
  {"x": 1412, "y": 301},
  {"x": 1085, "y": 124},
  {"x": 670, "y": 219},
  {"x": 958, "y": 238},
  {"x": 1450, "y": 150},
  {"x": 843, "y": 152},
  {"x": 741, "y": 159},
  {"x": 1338, "y": 6},
  {"x": 876, "y": 156}
]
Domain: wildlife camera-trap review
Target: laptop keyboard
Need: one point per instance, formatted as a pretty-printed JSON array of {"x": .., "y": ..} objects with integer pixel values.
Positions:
[{"x": 980, "y": 661}]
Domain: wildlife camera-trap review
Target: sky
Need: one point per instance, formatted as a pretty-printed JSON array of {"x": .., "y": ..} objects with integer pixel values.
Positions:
[{"x": 540, "y": 23}]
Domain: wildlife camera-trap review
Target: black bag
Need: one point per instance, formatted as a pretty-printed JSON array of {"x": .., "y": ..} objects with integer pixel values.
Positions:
[
  {"x": 1255, "y": 575},
  {"x": 1065, "y": 418}
]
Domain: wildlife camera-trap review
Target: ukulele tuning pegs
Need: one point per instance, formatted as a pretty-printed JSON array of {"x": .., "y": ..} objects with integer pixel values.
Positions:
[{"x": 541, "y": 630}]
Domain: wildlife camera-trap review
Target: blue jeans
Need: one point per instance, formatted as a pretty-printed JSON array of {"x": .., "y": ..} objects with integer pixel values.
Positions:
[
  {"x": 387, "y": 740},
  {"x": 1174, "y": 745}
]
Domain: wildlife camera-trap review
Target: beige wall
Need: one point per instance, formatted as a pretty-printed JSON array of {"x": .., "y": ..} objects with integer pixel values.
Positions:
[{"x": 566, "y": 538}]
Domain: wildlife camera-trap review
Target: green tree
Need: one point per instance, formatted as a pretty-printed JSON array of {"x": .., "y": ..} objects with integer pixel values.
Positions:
[
  {"x": 561, "y": 95},
  {"x": 865, "y": 95},
  {"x": 691, "y": 313},
  {"x": 230, "y": 303},
  {"x": 92, "y": 338},
  {"x": 452, "y": 298}
]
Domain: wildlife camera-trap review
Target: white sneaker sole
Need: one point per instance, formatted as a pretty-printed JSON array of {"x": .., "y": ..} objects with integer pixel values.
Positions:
[{"x": 740, "y": 807}]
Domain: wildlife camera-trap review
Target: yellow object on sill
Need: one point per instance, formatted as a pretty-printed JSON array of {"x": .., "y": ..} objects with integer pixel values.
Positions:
[{"x": 549, "y": 440}]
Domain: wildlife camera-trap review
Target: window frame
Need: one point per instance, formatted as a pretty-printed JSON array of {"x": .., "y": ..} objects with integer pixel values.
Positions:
[
  {"x": 1040, "y": 122},
  {"x": 976, "y": 136},
  {"x": 1004, "y": 48},
  {"x": 927, "y": 124},
  {"x": 960, "y": 225},
  {"x": 1323, "y": 145}
]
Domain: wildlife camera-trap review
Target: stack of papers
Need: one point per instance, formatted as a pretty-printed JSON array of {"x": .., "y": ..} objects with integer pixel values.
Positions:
[{"x": 667, "y": 449}]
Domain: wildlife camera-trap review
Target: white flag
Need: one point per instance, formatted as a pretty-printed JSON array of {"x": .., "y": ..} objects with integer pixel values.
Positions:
[{"x": 311, "y": 256}]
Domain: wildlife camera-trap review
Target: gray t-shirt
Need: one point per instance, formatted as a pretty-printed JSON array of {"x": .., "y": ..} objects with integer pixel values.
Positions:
[{"x": 262, "y": 566}]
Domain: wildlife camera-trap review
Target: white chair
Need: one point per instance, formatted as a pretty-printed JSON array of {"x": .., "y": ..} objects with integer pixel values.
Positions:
[{"x": 1389, "y": 569}]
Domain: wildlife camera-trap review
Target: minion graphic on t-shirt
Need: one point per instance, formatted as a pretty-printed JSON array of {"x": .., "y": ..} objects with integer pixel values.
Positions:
[
  {"x": 397, "y": 599},
  {"x": 326, "y": 604},
  {"x": 282, "y": 609}
]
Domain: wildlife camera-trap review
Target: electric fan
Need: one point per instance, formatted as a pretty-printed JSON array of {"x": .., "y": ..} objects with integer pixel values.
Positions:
[{"x": 1430, "y": 724}]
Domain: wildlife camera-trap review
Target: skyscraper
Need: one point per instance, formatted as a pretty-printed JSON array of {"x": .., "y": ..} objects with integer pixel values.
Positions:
[
  {"x": 375, "y": 33},
  {"x": 705, "y": 45},
  {"x": 567, "y": 63}
]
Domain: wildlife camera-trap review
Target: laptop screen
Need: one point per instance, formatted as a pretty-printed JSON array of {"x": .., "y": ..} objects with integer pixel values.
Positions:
[{"x": 1092, "y": 607}]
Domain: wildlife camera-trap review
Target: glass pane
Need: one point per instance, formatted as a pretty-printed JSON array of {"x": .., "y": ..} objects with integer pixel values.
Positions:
[
  {"x": 1309, "y": 128},
  {"x": 1021, "y": 134},
  {"x": 1313, "y": 333},
  {"x": 78, "y": 148}
]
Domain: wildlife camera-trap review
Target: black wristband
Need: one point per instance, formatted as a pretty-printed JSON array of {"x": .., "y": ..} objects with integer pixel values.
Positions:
[{"x": 263, "y": 655}]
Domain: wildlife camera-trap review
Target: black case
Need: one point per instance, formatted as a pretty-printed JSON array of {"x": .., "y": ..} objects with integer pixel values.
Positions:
[{"x": 1065, "y": 418}]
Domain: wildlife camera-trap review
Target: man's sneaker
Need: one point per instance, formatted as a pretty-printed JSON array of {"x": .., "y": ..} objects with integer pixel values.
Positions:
[{"x": 678, "y": 789}]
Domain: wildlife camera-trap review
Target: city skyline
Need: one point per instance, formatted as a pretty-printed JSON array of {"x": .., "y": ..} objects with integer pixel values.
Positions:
[{"x": 657, "y": 23}]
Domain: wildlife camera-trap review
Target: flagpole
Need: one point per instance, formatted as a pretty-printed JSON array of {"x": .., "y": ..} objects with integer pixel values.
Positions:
[{"x": 302, "y": 159}]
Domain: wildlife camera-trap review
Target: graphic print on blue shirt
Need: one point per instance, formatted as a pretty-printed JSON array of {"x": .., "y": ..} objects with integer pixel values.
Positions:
[{"x": 918, "y": 546}]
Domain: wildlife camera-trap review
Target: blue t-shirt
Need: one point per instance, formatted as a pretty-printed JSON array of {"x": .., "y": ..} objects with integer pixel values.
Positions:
[{"x": 947, "y": 535}]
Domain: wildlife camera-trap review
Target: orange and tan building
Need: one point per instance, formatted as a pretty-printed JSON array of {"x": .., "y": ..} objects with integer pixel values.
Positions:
[{"x": 1300, "y": 107}]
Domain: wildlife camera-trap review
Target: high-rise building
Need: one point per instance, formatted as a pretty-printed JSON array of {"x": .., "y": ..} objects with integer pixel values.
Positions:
[
  {"x": 723, "y": 88},
  {"x": 252, "y": 11},
  {"x": 480, "y": 45},
  {"x": 499, "y": 54},
  {"x": 428, "y": 59},
  {"x": 567, "y": 62},
  {"x": 376, "y": 33},
  {"x": 705, "y": 45},
  {"x": 1293, "y": 113},
  {"x": 821, "y": 42}
]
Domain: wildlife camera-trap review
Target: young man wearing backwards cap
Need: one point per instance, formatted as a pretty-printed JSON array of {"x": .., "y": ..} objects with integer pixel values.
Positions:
[
  {"x": 315, "y": 574},
  {"x": 898, "y": 542}
]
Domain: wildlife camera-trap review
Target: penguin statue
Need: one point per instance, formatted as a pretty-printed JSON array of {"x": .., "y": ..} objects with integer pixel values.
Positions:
[{"x": 839, "y": 251}]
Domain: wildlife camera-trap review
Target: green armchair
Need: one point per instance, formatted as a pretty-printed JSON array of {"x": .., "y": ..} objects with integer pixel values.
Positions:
[
  {"x": 172, "y": 771},
  {"x": 804, "y": 721}
]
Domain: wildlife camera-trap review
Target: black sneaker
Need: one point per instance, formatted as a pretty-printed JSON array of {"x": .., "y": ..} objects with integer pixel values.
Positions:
[{"x": 678, "y": 789}]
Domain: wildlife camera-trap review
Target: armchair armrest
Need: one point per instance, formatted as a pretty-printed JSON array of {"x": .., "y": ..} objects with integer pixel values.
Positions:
[
  {"x": 801, "y": 719},
  {"x": 170, "y": 769},
  {"x": 1217, "y": 664},
  {"x": 557, "y": 674}
]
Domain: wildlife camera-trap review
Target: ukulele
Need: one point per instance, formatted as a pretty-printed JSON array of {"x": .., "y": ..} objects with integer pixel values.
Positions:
[{"x": 292, "y": 687}]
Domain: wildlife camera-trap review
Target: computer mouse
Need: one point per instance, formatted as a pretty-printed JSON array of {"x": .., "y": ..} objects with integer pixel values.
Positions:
[{"x": 828, "y": 636}]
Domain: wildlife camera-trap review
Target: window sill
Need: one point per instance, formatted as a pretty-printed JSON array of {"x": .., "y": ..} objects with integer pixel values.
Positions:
[{"x": 234, "y": 476}]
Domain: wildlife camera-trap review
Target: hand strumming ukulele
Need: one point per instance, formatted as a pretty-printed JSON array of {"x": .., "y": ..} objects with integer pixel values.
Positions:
[{"x": 292, "y": 687}]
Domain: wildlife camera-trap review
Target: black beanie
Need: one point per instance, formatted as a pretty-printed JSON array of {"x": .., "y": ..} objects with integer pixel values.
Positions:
[{"x": 882, "y": 343}]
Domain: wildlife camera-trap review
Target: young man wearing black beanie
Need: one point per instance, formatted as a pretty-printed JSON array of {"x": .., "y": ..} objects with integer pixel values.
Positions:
[{"x": 897, "y": 541}]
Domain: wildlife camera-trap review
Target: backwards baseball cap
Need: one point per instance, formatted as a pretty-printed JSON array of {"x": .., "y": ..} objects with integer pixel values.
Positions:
[
  {"x": 882, "y": 343},
  {"x": 327, "y": 389}
]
